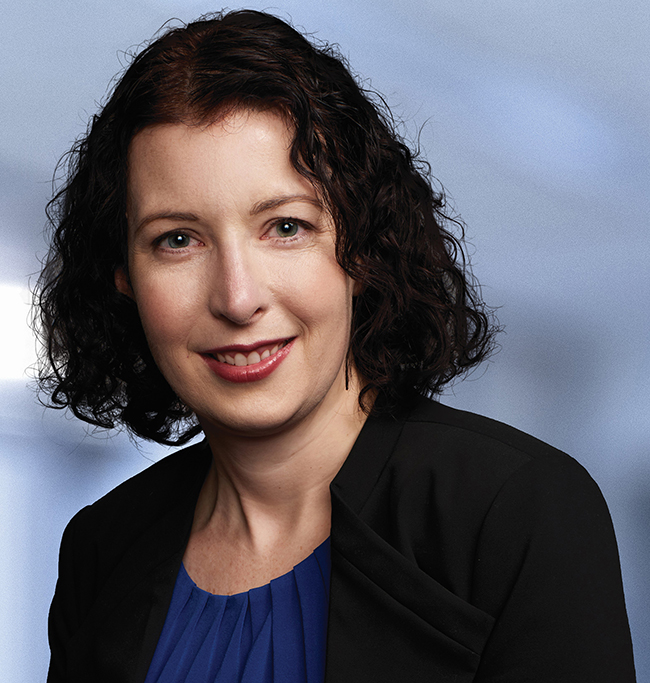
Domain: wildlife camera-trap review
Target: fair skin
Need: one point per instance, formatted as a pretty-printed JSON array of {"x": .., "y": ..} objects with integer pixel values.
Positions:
[{"x": 247, "y": 313}]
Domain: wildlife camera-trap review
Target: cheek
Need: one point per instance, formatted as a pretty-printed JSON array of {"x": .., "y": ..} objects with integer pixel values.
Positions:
[
  {"x": 324, "y": 302},
  {"x": 167, "y": 313}
]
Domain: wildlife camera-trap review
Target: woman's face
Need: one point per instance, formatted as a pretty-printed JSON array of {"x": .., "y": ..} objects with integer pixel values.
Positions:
[{"x": 232, "y": 266}]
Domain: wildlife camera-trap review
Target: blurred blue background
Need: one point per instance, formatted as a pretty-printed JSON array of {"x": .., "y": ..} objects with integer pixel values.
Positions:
[{"x": 534, "y": 116}]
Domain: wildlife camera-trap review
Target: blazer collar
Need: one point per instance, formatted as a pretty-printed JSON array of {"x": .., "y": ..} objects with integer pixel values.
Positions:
[{"x": 371, "y": 452}]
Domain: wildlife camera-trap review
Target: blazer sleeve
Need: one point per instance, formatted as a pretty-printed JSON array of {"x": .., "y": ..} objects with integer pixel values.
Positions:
[
  {"x": 547, "y": 568},
  {"x": 65, "y": 608}
]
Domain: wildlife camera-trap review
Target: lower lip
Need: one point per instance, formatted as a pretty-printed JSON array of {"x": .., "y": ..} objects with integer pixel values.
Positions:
[{"x": 248, "y": 373}]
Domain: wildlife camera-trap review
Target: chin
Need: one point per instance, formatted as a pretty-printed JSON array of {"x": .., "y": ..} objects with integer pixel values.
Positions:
[{"x": 256, "y": 423}]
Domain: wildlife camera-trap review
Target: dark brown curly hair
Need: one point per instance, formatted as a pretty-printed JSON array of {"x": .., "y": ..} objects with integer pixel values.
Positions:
[{"x": 418, "y": 321}]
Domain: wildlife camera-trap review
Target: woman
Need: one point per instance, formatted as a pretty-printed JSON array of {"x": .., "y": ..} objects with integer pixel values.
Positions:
[{"x": 244, "y": 247}]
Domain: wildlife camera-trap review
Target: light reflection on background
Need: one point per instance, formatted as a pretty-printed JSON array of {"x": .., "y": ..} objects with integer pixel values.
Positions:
[
  {"x": 17, "y": 344},
  {"x": 535, "y": 119}
]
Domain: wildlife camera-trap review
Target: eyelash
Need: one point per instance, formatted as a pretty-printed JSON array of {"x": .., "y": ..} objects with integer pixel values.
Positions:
[
  {"x": 159, "y": 242},
  {"x": 302, "y": 225}
]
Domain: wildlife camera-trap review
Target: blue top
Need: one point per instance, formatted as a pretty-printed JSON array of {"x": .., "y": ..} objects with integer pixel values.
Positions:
[{"x": 271, "y": 634}]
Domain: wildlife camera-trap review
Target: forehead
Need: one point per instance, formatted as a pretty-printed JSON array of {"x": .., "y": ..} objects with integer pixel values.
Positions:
[
  {"x": 244, "y": 131},
  {"x": 246, "y": 152}
]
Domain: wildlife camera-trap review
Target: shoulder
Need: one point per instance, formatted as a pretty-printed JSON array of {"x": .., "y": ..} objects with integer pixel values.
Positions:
[
  {"x": 118, "y": 557},
  {"x": 459, "y": 506},
  {"x": 468, "y": 434},
  {"x": 448, "y": 487},
  {"x": 495, "y": 489},
  {"x": 460, "y": 460},
  {"x": 499, "y": 477},
  {"x": 482, "y": 452},
  {"x": 124, "y": 513},
  {"x": 484, "y": 457}
]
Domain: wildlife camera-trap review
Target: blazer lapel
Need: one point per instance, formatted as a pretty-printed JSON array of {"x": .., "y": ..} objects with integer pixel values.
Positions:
[{"x": 388, "y": 619}]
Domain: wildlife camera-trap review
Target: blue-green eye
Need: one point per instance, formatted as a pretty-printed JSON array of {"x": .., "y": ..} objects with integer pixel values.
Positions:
[
  {"x": 177, "y": 240},
  {"x": 287, "y": 228}
]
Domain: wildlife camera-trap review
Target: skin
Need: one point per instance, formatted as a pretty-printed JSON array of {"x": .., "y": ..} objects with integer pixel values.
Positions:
[{"x": 229, "y": 245}]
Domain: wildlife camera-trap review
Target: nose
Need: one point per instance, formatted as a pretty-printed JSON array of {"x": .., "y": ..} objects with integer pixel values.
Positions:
[{"x": 239, "y": 292}]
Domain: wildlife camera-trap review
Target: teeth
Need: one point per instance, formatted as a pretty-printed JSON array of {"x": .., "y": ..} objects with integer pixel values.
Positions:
[{"x": 241, "y": 360}]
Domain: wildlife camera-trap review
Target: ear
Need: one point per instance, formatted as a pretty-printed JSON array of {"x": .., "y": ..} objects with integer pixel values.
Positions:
[{"x": 122, "y": 283}]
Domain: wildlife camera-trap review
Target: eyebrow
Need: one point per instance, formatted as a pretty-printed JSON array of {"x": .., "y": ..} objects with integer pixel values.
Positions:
[
  {"x": 260, "y": 207},
  {"x": 165, "y": 215},
  {"x": 274, "y": 203}
]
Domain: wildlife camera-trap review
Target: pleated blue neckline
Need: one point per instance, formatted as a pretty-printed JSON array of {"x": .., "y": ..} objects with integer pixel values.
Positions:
[{"x": 271, "y": 634}]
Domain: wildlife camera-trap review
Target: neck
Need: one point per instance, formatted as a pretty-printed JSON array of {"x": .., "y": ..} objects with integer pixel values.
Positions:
[{"x": 263, "y": 487}]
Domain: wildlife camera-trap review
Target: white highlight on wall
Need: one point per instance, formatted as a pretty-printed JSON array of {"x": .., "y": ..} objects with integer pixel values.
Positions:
[{"x": 17, "y": 344}]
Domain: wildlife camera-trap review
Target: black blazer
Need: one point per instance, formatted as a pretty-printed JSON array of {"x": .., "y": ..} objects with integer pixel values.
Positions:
[{"x": 462, "y": 550}]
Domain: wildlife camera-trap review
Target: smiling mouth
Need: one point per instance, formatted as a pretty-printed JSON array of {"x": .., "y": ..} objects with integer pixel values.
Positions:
[{"x": 259, "y": 354}]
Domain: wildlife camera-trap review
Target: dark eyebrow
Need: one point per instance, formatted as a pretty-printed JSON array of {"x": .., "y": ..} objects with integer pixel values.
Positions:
[
  {"x": 269, "y": 204},
  {"x": 258, "y": 208},
  {"x": 165, "y": 215}
]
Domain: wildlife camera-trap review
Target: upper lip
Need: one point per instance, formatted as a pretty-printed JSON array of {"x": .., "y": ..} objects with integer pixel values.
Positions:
[{"x": 247, "y": 348}]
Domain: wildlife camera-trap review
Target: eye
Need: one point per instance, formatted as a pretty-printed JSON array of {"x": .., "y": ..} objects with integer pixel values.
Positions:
[
  {"x": 287, "y": 228},
  {"x": 176, "y": 240}
]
